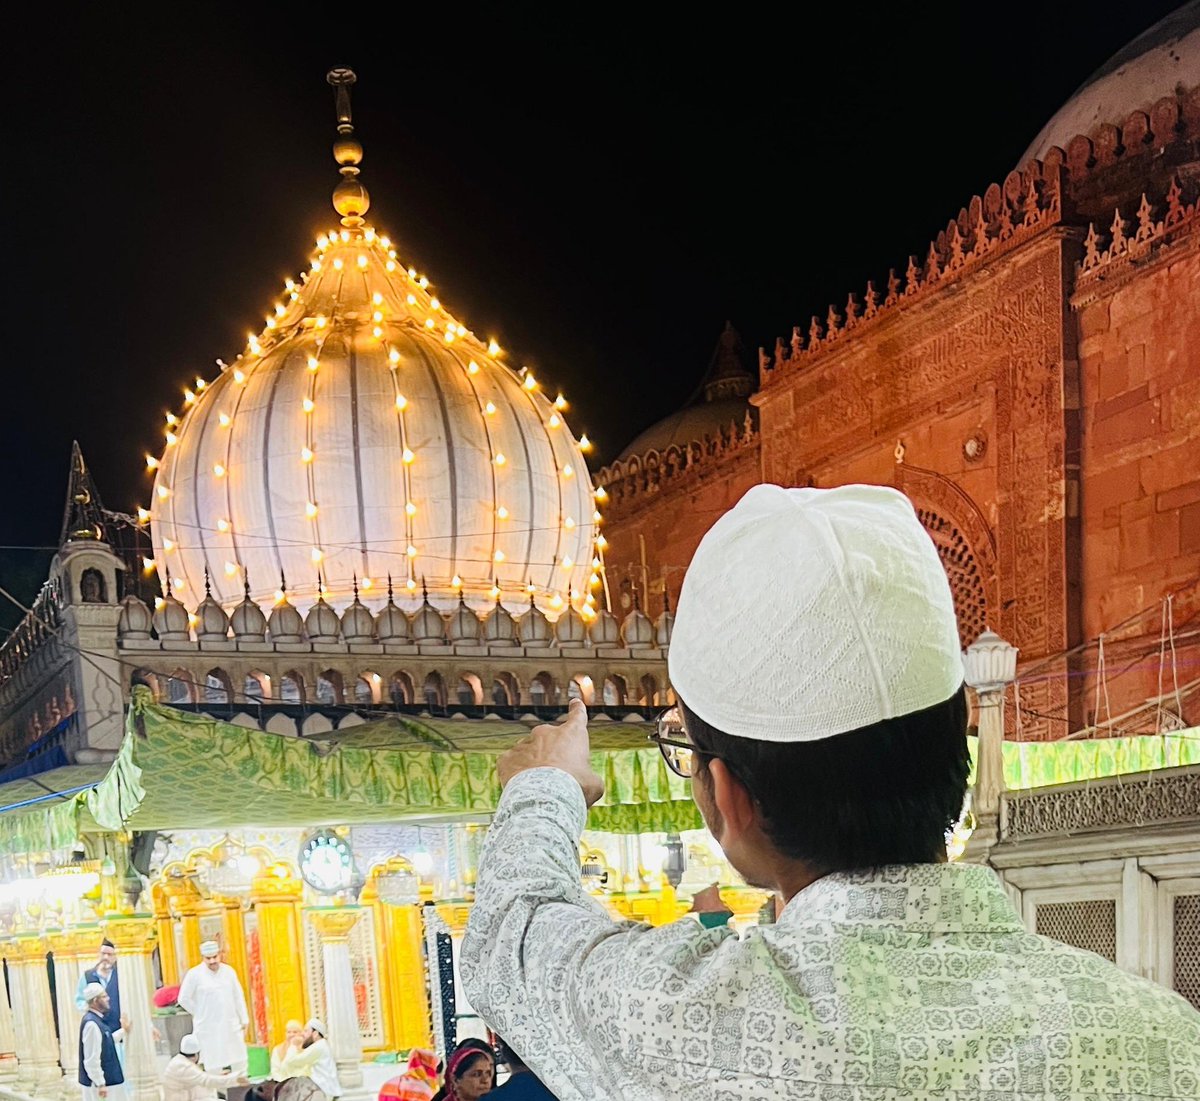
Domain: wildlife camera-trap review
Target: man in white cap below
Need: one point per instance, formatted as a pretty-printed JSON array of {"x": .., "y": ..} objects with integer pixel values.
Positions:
[
  {"x": 212, "y": 994},
  {"x": 822, "y": 718},
  {"x": 184, "y": 1080},
  {"x": 100, "y": 1072},
  {"x": 314, "y": 1059}
]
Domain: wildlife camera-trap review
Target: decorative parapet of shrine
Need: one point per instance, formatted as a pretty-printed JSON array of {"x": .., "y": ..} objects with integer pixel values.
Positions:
[{"x": 1112, "y": 257}]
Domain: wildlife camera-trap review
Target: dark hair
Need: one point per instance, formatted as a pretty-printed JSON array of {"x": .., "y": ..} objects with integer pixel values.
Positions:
[
  {"x": 882, "y": 794},
  {"x": 478, "y": 1045}
]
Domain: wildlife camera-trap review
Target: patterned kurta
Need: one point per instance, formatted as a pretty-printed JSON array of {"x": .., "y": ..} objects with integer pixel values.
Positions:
[{"x": 915, "y": 981}]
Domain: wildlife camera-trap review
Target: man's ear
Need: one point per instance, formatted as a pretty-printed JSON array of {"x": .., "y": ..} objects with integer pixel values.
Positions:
[{"x": 732, "y": 800}]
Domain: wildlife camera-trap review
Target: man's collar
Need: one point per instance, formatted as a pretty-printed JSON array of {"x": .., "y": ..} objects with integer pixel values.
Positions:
[{"x": 916, "y": 897}]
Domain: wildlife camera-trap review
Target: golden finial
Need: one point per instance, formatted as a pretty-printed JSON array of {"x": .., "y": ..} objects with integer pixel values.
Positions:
[{"x": 350, "y": 198}]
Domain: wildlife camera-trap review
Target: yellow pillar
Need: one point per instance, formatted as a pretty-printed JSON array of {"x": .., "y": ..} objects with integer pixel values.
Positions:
[
  {"x": 276, "y": 901},
  {"x": 133, "y": 936},
  {"x": 233, "y": 936},
  {"x": 399, "y": 949},
  {"x": 168, "y": 954}
]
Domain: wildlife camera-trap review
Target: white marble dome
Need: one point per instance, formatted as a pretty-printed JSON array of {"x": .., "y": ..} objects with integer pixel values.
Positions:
[{"x": 366, "y": 432}]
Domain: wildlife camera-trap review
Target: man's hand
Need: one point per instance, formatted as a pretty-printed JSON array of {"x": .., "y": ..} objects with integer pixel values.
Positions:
[
  {"x": 242, "y": 1080},
  {"x": 102, "y": 1091},
  {"x": 564, "y": 746},
  {"x": 126, "y": 1023}
]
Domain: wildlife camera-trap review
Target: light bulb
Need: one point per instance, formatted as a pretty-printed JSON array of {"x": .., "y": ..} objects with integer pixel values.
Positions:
[
  {"x": 218, "y": 470},
  {"x": 423, "y": 282},
  {"x": 412, "y": 551},
  {"x": 390, "y": 266},
  {"x": 171, "y": 439},
  {"x": 429, "y": 322},
  {"x": 385, "y": 243},
  {"x": 322, "y": 242},
  {"x": 567, "y": 562},
  {"x": 584, "y": 443},
  {"x": 239, "y": 376},
  {"x": 377, "y": 332},
  {"x": 367, "y": 583},
  {"x": 411, "y": 583},
  {"x": 449, "y": 338},
  {"x": 172, "y": 419},
  {"x": 279, "y": 309},
  {"x": 556, "y": 601},
  {"x": 163, "y": 492},
  {"x": 472, "y": 368},
  {"x": 230, "y": 569},
  {"x": 601, "y": 542},
  {"x": 148, "y": 564},
  {"x": 337, "y": 264},
  {"x": 159, "y": 604},
  {"x": 434, "y": 304},
  {"x": 151, "y": 462},
  {"x": 498, "y": 556},
  {"x": 188, "y": 397},
  {"x": 200, "y": 383},
  {"x": 321, "y": 321},
  {"x": 306, "y": 454},
  {"x": 410, "y": 508},
  {"x": 490, "y": 408},
  {"x": 560, "y": 402},
  {"x": 502, "y": 513},
  {"x": 177, "y": 582},
  {"x": 411, "y": 299},
  {"x": 530, "y": 382},
  {"x": 554, "y": 422},
  {"x": 377, "y": 316},
  {"x": 316, "y": 554},
  {"x": 394, "y": 356},
  {"x": 494, "y": 592},
  {"x": 310, "y": 510},
  {"x": 595, "y": 561},
  {"x": 493, "y": 348},
  {"x": 408, "y": 456},
  {"x": 568, "y": 470},
  {"x": 600, "y": 493},
  {"x": 500, "y": 460},
  {"x": 456, "y": 581},
  {"x": 362, "y": 261},
  {"x": 225, "y": 419},
  {"x": 143, "y": 515},
  {"x": 313, "y": 363},
  {"x": 222, "y": 524},
  {"x": 568, "y": 523},
  {"x": 596, "y": 517},
  {"x": 594, "y": 580},
  {"x": 168, "y": 545},
  {"x": 253, "y": 342},
  {"x": 412, "y": 273},
  {"x": 309, "y": 405},
  {"x": 401, "y": 401},
  {"x": 377, "y": 299}
]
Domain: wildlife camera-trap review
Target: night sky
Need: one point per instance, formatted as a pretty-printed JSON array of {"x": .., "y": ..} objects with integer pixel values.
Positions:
[{"x": 601, "y": 192}]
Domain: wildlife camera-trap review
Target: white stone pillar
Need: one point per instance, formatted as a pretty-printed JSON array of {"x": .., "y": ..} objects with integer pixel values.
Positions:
[
  {"x": 36, "y": 1014},
  {"x": 69, "y": 949},
  {"x": 8, "y": 1034},
  {"x": 333, "y": 925},
  {"x": 133, "y": 937},
  {"x": 989, "y": 776}
]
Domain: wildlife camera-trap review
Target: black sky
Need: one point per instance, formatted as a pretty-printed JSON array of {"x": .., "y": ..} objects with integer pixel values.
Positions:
[{"x": 602, "y": 190}]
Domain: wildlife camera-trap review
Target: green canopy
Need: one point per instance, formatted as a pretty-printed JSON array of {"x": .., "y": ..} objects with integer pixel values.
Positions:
[{"x": 185, "y": 770}]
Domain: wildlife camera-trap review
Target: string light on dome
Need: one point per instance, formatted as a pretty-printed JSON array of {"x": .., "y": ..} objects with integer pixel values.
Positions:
[
  {"x": 377, "y": 332},
  {"x": 363, "y": 261},
  {"x": 163, "y": 492},
  {"x": 172, "y": 419},
  {"x": 490, "y": 408},
  {"x": 500, "y": 460},
  {"x": 309, "y": 405},
  {"x": 270, "y": 322},
  {"x": 280, "y": 596},
  {"x": 310, "y": 510},
  {"x": 423, "y": 282},
  {"x": 289, "y": 284},
  {"x": 239, "y": 376},
  {"x": 401, "y": 401},
  {"x": 493, "y": 348},
  {"x": 584, "y": 443},
  {"x": 188, "y": 397},
  {"x": 280, "y": 309},
  {"x": 148, "y": 564},
  {"x": 313, "y": 363},
  {"x": 377, "y": 316},
  {"x": 429, "y": 322},
  {"x": 498, "y": 556},
  {"x": 151, "y": 462},
  {"x": 568, "y": 470},
  {"x": 193, "y": 619},
  {"x": 596, "y": 517},
  {"x": 449, "y": 337},
  {"x": 200, "y": 383},
  {"x": 168, "y": 545},
  {"x": 588, "y": 601},
  {"x": 407, "y": 455},
  {"x": 222, "y": 524},
  {"x": 594, "y": 581},
  {"x": 143, "y": 515},
  {"x": 369, "y": 234},
  {"x": 412, "y": 273},
  {"x": 494, "y": 591},
  {"x": 434, "y": 304},
  {"x": 338, "y": 264},
  {"x": 385, "y": 242},
  {"x": 171, "y": 438},
  {"x": 554, "y": 421},
  {"x": 530, "y": 382},
  {"x": 218, "y": 470},
  {"x": 456, "y": 582},
  {"x": 411, "y": 551},
  {"x": 595, "y": 561},
  {"x": 601, "y": 542},
  {"x": 560, "y": 403},
  {"x": 306, "y": 455},
  {"x": 411, "y": 583},
  {"x": 177, "y": 582},
  {"x": 556, "y": 601},
  {"x": 320, "y": 321},
  {"x": 252, "y": 340},
  {"x": 600, "y": 493},
  {"x": 224, "y": 419},
  {"x": 567, "y": 562},
  {"x": 568, "y": 523},
  {"x": 377, "y": 299},
  {"x": 394, "y": 357},
  {"x": 530, "y": 589},
  {"x": 230, "y": 569},
  {"x": 390, "y": 265},
  {"x": 410, "y": 508},
  {"x": 317, "y": 554},
  {"x": 316, "y": 266},
  {"x": 502, "y": 513},
  {"x": 159, "y": 604},
  {"x": 366, "y": 583},
  {"x": 411, "y": 300},
  {"x": 322, "y": 242},
  {"x": 472, "y": 368}
]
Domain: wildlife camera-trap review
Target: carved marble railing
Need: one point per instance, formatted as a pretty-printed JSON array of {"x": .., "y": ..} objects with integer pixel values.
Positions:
[{"x": 1165, "y": 797}]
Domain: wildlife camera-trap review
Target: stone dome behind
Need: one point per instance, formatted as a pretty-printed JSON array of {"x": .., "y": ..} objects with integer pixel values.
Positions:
[{"x": 1157, "y": 63}]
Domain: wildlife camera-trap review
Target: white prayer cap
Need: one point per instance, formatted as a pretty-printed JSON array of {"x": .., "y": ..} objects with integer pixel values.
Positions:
[
  {"x": 189, "y": 1045},
  {"x": 93, "y": 990},
  {"x": 807, "y": 613},
  {"x": 209, "y": 948},
  {"x": 316, "y": 1026}
]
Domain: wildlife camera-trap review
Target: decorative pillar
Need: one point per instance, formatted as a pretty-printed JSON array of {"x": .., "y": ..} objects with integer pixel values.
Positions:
[
  {"x": 133, "y": 937},
  {"x": 33, "y": 1008},
  {"x": 69, "y": 948},
  {"x": 9, "y": 1070},
  {"x": 185, "y": 900},
  {"x": 333, "y": 925},
  {"x": 233, "y": 939},
  {"x": 168, "y": 954},
  {"x": 276, "y": 900},
  {"x": 399, "y": 950},
  {"x": 990, "y": 666}
]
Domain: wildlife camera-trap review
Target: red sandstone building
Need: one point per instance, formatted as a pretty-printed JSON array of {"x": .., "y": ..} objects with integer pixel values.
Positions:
[{"x": 1032, "y": 383}]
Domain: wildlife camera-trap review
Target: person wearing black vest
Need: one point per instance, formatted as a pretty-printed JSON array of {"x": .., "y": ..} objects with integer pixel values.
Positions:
[
  {"x": 104, "y": 973},
  {"x": 100, "y": 1072}
]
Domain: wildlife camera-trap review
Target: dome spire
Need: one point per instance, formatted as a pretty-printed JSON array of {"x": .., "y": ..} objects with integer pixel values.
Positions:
[{"x": 350, "y": 198}]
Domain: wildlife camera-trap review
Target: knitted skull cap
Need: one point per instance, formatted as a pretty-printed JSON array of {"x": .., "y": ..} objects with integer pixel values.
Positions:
[{"x": 807, "y": 613}]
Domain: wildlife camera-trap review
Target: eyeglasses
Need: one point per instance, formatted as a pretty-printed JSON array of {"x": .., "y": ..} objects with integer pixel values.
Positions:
[{"x": 671, "y": 739}]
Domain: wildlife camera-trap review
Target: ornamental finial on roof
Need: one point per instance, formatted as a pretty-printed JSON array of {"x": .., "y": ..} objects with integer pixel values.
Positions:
[{"x": 350, "y": 198}]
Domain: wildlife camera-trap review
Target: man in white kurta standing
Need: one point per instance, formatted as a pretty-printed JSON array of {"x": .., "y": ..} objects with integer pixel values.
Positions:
[
  {"x": 212, "y": 994},
  {"x": 100, "y": 1072},
  {"x": 822, "y": 719}
]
